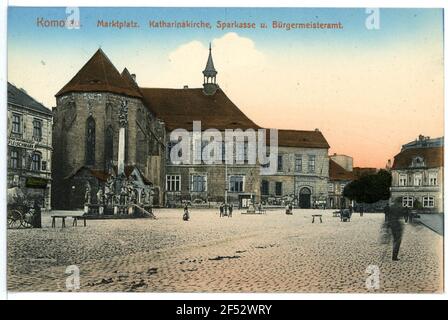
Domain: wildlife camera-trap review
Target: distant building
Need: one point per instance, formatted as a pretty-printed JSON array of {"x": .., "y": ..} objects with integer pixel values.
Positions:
[
  {"x": 344, "y": 161},
  {"x": 339, "y": 177},
  {"x": 417, "y": 175},
  {"x": 29, "y": 146}
]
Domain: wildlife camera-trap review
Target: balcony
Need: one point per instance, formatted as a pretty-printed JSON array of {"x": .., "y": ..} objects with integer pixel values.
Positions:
[{"x": 415, "y": 189}]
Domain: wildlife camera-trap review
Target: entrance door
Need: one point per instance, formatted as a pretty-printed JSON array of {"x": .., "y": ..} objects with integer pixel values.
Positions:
[{"x": 305, "y": 198}]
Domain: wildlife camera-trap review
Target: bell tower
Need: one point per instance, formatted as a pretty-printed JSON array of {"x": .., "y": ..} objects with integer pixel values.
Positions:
[{"x": 210, "y": 73}]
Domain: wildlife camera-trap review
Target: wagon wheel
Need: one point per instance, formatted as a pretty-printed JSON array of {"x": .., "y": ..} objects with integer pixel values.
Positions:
[
  {"x": 14, "y": 219},
  {"x": 26, "y": 220}
]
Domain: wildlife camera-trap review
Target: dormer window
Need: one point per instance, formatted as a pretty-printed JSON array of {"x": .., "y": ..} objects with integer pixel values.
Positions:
[{"x": 418, "y": 162}]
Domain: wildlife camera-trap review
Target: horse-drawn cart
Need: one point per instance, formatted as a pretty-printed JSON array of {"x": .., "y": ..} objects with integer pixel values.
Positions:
[{"x": 20, "y": 212}]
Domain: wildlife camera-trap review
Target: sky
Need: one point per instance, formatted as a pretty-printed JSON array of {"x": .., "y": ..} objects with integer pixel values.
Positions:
[{"x": 368, "y": 90}]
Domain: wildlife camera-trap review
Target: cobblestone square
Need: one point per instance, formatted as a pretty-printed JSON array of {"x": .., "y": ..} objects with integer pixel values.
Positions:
[{"x": 246, "y": 253}]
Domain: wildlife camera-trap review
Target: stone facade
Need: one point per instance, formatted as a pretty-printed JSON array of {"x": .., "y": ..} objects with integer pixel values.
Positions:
[
  {"x": 301, "y": 179},
  {"x": 72, "y": 139},
  {"x": 29, "y": 146},
  {"x": 86, "y": 129}
]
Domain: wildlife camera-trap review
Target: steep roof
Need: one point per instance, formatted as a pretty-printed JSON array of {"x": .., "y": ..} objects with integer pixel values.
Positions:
[
  {"x": 99, "y": 74},
  {"x": 210, "y": 70},
  {"x": 302, "y": 138},
  {"x": 433, "y": 157},
  {"x": 21, "y": 98},
  {"x": 127, "y": 77},
  {"x": 337, "y": 172},
  {"x": 178, "y": 108}
]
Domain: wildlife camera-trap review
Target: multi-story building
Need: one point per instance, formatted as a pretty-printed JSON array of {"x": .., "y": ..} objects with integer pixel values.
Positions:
[
  {"x": 85, "y": 133},
  {"x": 417, "y": 175},
  {"x": 302, "y": 170},
  {"x": 29, "y": 146}
]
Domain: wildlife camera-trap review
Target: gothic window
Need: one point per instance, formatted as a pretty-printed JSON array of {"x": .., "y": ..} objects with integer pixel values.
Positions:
[
  {"x": 109, "y": 147},
  {"x": 141, "y": 147},
  {"x": 90, "y": 141}
]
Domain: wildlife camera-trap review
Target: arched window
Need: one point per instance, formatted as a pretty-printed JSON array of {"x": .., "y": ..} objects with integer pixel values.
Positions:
[
  {"x": 90, "y": 141},
  {"x": 109, "y": 147}
]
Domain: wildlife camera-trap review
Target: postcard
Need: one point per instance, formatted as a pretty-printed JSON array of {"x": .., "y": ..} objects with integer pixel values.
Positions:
[{"x": 225, "y": 150}]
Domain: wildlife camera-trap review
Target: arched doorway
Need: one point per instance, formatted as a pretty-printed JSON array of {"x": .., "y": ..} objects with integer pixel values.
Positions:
[{"x": 305, "y": 198}]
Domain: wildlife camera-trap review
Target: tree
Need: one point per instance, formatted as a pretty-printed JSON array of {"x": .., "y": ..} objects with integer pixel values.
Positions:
[{"x": 370, "y": 188}]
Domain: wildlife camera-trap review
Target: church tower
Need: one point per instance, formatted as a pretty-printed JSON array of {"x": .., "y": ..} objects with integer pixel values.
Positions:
[{"x": 210, "y": 73}]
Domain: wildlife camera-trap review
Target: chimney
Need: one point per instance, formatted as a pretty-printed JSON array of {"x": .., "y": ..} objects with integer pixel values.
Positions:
[{"x": 185, "y": 86}]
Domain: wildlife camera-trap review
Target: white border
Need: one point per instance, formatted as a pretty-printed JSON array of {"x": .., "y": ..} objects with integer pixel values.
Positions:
[{"x": 190, "y": 3}]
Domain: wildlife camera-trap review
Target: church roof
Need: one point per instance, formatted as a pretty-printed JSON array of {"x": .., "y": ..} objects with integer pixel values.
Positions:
[
  {"x": 20, "y": 97},
  {"x": 178, "y": 108},
  {"x": 210, "y": 70},
  {"x": 337, "y": 172},
  {"x": 99, "y": 74},
  {"x": 127, "y": 77},
  {"x": 432, "y": 157}
]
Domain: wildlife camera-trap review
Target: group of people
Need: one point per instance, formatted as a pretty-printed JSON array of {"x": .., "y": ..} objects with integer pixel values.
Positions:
[{"x": 225, "y": 210}]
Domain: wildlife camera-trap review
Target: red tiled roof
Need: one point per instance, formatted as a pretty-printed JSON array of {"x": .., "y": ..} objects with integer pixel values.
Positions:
[
  {"x": 178, "y": 108},
  {"x": 302, "y": 138},
  {"x": 433, "y": 157},
  {"x": 127, "y": 77},
  {"x": 99, "y": 75},
  {"x": 336, "y": 172}
]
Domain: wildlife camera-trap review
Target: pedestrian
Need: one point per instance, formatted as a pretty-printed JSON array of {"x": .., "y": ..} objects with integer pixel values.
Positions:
[
  {"x": 396, "y": 227},
  {"x": 361, "y": 211},
  {"x": 221, "y": 210},
  {"x": 37, "y": 215},
  {"x": 230, "y": 210},
  {"x": 186, "y": 215},
  {"x": 406, "y": 215}
]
